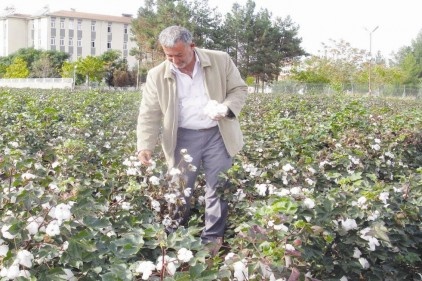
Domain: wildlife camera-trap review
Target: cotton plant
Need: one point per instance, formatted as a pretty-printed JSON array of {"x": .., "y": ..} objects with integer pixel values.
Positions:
[{"x": 166, "y": 191}]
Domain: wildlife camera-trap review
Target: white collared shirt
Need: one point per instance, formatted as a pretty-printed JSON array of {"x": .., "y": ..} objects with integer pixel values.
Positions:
[{"x": 192, "y": 98}]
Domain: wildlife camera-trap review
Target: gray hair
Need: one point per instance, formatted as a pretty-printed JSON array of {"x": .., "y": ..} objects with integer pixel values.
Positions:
[{"x": 173, "y": 34}]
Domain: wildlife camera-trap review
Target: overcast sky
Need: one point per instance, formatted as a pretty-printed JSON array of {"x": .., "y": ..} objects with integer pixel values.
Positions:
[{"x": 399, "y": 22}]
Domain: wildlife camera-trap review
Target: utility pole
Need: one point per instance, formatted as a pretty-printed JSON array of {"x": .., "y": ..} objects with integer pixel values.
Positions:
[{"x": 370, "y": 59}]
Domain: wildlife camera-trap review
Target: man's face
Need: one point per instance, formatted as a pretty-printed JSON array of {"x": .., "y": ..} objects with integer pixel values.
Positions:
[{"x": 181, "y": 55}]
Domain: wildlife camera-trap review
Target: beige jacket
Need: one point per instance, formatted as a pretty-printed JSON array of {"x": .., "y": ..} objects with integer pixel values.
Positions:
[{"x": 158, "y": 112}]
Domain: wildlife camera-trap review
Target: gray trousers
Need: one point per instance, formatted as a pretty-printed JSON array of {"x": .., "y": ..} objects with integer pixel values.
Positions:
[{"x": 209, "y": 154}]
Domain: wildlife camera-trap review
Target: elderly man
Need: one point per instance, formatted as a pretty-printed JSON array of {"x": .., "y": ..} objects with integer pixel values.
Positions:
[{"x": 176, "y": 102}]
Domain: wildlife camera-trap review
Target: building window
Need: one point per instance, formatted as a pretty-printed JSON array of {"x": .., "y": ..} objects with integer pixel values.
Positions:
[
  {"x": 93, "y": 26},
  {"x": 124, "y": 45},
  {"x": 108, "y": 45},
  {"x": 109, "y": 27},
  {"x": 79, "y": 24},
  {"x": 53, "y": 22},
  {"x": 61, "y": 23},
  {"x": 93, "y": 44},
  {"x": 70, "y": 41},
  {"x": 71, "y": 24},
  {"x": 79, "y": 43},
  {"x": 53, "y": 41},
  {"x": 125, "y": 29},
  {"x": 61, "y": 41}
]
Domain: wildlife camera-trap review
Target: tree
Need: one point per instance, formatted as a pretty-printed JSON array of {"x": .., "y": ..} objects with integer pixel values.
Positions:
[
  {"x": 18, "y": 69},
  {"x": 43, "y": 67},
  {"x": 339, "y": 65},
  {"x": 409, "y": 59},
  {"x": 259, "y": 44},
  {"x": 91, "y": 67},
  {"x": 112, "y": 62}
]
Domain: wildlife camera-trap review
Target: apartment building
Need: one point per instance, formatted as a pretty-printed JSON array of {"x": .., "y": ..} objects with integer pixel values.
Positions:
[{"x": 77, "y": 33}]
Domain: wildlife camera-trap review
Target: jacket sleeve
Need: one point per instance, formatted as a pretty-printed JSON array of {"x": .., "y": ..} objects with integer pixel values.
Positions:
[
  {"x": 237, "y": 89},
  {"x": 149, "y": 117}
]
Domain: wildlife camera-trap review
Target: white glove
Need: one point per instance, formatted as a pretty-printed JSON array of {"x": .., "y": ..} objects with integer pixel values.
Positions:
[{"x": 215, "y": 110}]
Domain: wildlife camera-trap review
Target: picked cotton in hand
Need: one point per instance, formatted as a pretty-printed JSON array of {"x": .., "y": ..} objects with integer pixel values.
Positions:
[{"x": 215, "y": 110}]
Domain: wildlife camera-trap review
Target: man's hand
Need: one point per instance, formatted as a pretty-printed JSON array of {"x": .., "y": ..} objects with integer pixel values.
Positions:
[{"x": 145, "y": 156}]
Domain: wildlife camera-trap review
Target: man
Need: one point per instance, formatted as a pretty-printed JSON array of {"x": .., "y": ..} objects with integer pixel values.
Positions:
[{"x": 175, "y": 103}]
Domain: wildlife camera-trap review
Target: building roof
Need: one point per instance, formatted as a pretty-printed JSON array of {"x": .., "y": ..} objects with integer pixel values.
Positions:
[
  {"x": 15, "y": 15},
  {"x": 80, "y": 15}
]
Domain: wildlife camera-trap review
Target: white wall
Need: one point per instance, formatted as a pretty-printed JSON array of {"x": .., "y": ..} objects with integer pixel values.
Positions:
[{"x": 37, "y": 83}]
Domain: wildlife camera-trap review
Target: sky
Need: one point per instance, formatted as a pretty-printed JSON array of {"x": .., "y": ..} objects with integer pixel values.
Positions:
[{"x": 319, "y": 21}]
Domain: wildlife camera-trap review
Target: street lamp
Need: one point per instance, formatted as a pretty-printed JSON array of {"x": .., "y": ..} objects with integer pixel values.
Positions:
[
  {"x": 370, "y": 58},
  {"x": 74, "y": 76}
]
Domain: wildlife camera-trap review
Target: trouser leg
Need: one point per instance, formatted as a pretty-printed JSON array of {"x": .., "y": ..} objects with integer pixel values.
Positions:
[
  {"x": 215, "y": 161},
  {"x": 207, "y": 149}
]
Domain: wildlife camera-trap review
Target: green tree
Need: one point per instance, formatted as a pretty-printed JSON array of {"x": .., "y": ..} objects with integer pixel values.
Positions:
[
  {"x": 18, "y": 69},
  {"x": 409, "y": 59},
  {"x": 112, "y": 62},
  {"x": 92, "y": 68},
  {"x": 258, "y": 43}
]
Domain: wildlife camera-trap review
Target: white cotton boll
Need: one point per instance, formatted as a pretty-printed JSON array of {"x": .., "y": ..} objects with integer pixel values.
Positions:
[
  {"x": 213, "y": 109},
  {"x": 261, "y": 188},
  {"x": 357, "y": 253},
  {"x": 154, "y": 180},
  {"x": 229, "y": 256},
  {"x": 309, "y": 203},
  {"x": 28, "y": 176},
  {"x": 372, "y": 243},
  {"x": 187, "y": 191},
  {"x": 53, "y": 228},
  {"x": 25, "y": 258},
  {"x": 174, "y": 172},
  {"x": 11, "y": 272},
  {"x": 348, "y": 224},
  {"x": 287, "y": 168},
  {"x": 384, "y": 197},
  {"x": 281, "y": 227},
  {"x": 240, "y": 271},
  {"x": 126, "y": 206},
  {"x": 170, "y": 264},
  {"x": 290, "y": 247},
  {"x": 296, "y": 190},
  {"x": 4, "y": 249},
  {"x": 240, "y": 194},
  {"x": 187, "y": 158},
  {"x": 184, "y": 255},
  {"x": 34, "y": 225},
  {"x": 364, "y": 262},
  {"x": 375, "y": 147},
  {"x": 155, "y": 205},
  {"x": 132, "y": 172},
  {"x": 127, "y": 162},
  {"x": 192, "y": 168},
  {"x": 5, "y": 232},
  {"x": 146, "y": 268},
  {"x": 62, "y": 212}
]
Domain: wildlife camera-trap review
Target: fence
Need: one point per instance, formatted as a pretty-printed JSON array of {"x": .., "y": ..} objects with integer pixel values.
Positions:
[
  {"x": 290, "y": 87},
  {"x": 38, "y": 83}
]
